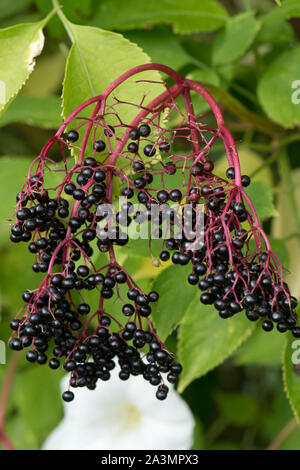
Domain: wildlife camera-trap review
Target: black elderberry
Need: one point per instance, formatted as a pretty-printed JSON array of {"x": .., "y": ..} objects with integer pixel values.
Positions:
[
  {"x": 14, "y": 324},
  {"x": 127, "y": 192},
  {"x": 128, "y": 310},
  {"x": 175, "y": 195},
  {"x": 230, "y": 173},
  {"x": 170, "y": 168},
  {"x": 109, "y": 131},
  {"x": 196, "y": 170},
  {"x": 68, "y": 396},
  {"x": 99, "y": 176},
  {"x": 31, "y": 356},
  {"x": 134, "y": 134},
  {"x": 245, "y": 180},
  {"x": 132, "y": 147},
  {"x": 200, "y": 269},
  {"x": 193, "y": 279},
  {"x": 83, "y": 309},
  {"x": 121, "y": 277},
  {"x": 107, "y": 293},
  {"x": 132, "y": 294},
  {"x": 15, "y": 344},
  {"x": 250, "y": 300},
  {"x": 138, "y": 166},
  {"x": 162, "y": 196},
  {"x": 144, "y": 130},
  {"x": 69, "y": 188},
  {"x": 252, "y": 315},
  {"x": 164, "y": 255},
  {"x": 72, "y": 135},
  {"x": 69, "y": 365},
  {"x": 206, "y": 298},
  {"x": 153, "y": 296},
  {"x": 54, "y": 363},
  {"x": 99, "y": 146},
  {"x": 149, "y": 150},
  {"x": 296, "y": 331}
]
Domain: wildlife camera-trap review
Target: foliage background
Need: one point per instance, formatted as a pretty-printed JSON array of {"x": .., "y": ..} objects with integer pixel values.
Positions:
[{"x": 248, "y": 54}]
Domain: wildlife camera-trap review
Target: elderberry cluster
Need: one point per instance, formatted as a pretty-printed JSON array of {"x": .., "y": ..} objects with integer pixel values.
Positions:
[
  {"x": 169, "y": 184},
  {"x": 51, "y": 314}
]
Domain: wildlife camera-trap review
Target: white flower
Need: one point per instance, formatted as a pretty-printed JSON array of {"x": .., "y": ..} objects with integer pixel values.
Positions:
[{"x": 120, "y": 415}]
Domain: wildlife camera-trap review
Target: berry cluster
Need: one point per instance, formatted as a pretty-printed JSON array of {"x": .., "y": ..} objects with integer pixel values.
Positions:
[{"x": 166, "y": 181}]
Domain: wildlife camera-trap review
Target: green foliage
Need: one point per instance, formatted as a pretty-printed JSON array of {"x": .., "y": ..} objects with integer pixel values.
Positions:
[
  {"x": 237, "y": 408},
  {"x": 236, "y": 37},
  {"x": 40, "y": 111},
  {"x": 173, "y": 301},
  {"x": 14, "y": 170},
  {"x": 205, "y": 341},
  {"x": 190, "y": 17},
  {"x": 261, "y": 196},
  {"x": 20, "y": 45},
  {"x": 172, "y": 53},
  {"x": 274, "y": 29},
  {"x": 261, "y": 349},
  {"x": 275, "y": 88},
  {"x": 9, "y": 8},
  {"x": 32, "y": 396},
  {"x": 83, "y": 78}
]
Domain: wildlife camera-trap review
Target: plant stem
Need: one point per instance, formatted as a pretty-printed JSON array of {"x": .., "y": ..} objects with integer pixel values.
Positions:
[{"x": 283, "y": 435}]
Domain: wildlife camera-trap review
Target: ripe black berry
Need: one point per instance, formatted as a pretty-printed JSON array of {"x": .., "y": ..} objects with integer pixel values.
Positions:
[{"x": 72, "y": 135}]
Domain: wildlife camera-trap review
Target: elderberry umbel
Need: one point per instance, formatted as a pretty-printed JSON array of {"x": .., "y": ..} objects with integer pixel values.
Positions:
[{"x": 231, "y": 260}]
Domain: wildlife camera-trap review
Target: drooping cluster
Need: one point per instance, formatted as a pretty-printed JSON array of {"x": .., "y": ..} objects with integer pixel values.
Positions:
[{"x": 159, "y": 165}]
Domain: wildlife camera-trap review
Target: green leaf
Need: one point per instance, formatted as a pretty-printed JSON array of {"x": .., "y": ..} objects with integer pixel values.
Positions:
[
  {"x": 238, "y": 109},
  {"x": 186, "y": 17},
  {"x": 39, "y": 111},
  {"x": 16, "y": 258},
  {"x": 91, "y": 69},
  {"x": 198, "y": 443},
  {"x": 9, "y": 8},
  {"x": 175, "y": 295},
  {"x": 23, "y": 437},
  {"x": 162, "y": 46},
  {"x": 289, "y": 9},
  {"x": 274, "y": 29},
  {"x": 235, "y": 38},
  {"x": 205, "y": 340},
  {"x": 14, "y": 170},
  {"x": 261, "y": 349},
  {"x": 280, "y": 248},
  {"x": 288, "y": 205},
  {"x": 262, "y": 199},
  {"x": 291, "y": 375},
  {"x": 238, "y": 409},
  {"x": 277, "y": 91},
  {"x": 39, "y": 400},
  {"x": 20, "y": 45}
]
